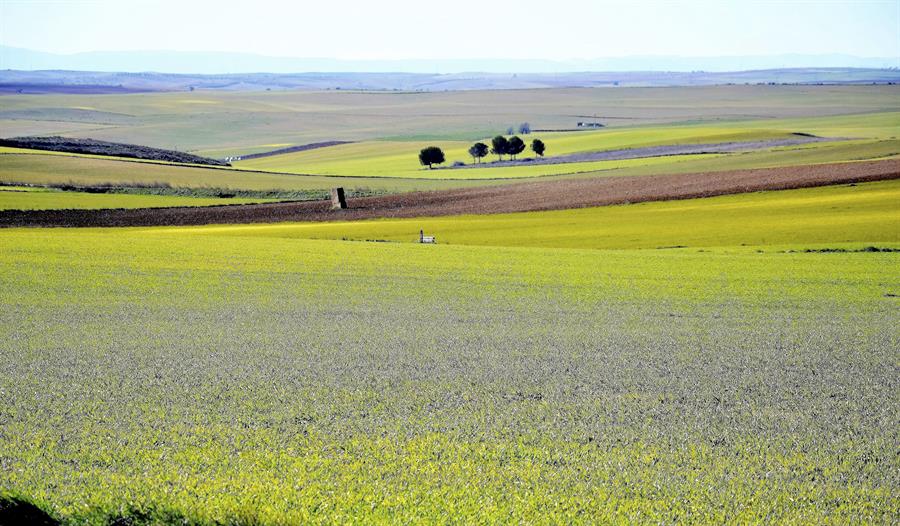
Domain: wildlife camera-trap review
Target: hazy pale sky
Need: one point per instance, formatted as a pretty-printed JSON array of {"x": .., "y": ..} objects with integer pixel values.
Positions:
[{"x": 408, "y": 29}]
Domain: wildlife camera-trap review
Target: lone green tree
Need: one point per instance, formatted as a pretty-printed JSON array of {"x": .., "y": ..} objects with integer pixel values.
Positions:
[
  {"x": 499, "y": 146},
  {"x": 537, "y": 146},
  {"x": 431, "y": 155},
  {"x": 516, "y": 146},
  {"x": 477, "y": 151}
]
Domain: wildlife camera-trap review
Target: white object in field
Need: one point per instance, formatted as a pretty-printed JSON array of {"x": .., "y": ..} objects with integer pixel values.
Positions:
[{"x": 426, "y": 239}]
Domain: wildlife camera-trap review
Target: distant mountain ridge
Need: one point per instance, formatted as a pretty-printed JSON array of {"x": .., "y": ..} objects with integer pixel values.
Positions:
[
  {"x": 85, "y": 82},
  {"x": 213, "y": 63}
]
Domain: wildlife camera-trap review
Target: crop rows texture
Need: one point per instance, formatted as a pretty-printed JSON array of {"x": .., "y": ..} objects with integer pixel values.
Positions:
[{"x": 157, "y": 376}]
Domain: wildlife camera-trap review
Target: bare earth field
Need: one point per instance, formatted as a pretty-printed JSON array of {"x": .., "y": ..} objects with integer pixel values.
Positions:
[{"x": 551, "y": 195}]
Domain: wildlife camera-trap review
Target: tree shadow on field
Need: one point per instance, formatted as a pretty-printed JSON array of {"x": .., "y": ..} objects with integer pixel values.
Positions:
[
  {"x": 140, "y": 516},
  {"x": 156, "y": 515},
  {"x": 16, "y": 512}
]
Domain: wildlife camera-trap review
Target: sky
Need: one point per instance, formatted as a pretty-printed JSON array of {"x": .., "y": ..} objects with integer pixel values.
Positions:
[{"x": 416, "y": 29}]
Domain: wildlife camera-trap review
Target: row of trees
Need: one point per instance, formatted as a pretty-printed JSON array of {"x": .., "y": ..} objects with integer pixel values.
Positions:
[{"x": 500, "y": 146}]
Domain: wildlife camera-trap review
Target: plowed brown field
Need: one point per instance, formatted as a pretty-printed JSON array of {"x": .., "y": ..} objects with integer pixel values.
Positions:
[{"x": 521, "y": 197}]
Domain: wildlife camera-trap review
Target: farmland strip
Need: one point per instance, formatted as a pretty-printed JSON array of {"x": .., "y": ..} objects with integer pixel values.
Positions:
[{"x": 522, "y": 197}]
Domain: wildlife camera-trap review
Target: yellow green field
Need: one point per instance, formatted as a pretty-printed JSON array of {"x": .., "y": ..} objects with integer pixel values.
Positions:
[
  {"x": 727, "y": 360},
  {"x": 156, "y": 376},
  {"x": 832, "y": 215}
]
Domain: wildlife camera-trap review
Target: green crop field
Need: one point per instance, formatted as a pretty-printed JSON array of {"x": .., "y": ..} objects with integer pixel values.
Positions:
[
  {"x": 832, "y": 215},
  {"x": 19, "y": 198},
  {"x": 150, "y": 375}
]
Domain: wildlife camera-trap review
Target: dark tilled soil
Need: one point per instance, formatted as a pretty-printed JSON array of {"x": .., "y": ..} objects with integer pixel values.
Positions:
[
  {"x": 520, "y": 197},
  {"x": 95, "y": 147}
]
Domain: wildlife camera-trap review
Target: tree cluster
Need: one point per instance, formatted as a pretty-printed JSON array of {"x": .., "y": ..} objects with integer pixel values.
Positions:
[{"x": 500, "y": 146}]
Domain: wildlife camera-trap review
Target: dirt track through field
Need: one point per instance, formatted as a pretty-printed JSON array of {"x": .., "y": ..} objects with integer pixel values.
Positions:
[
  {"x": 294, "y": 149},
  {"x": 520, "y": 197}
]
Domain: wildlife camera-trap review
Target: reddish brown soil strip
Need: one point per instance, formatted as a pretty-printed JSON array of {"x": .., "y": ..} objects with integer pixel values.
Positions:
[{"x": 520, "y": 197}]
